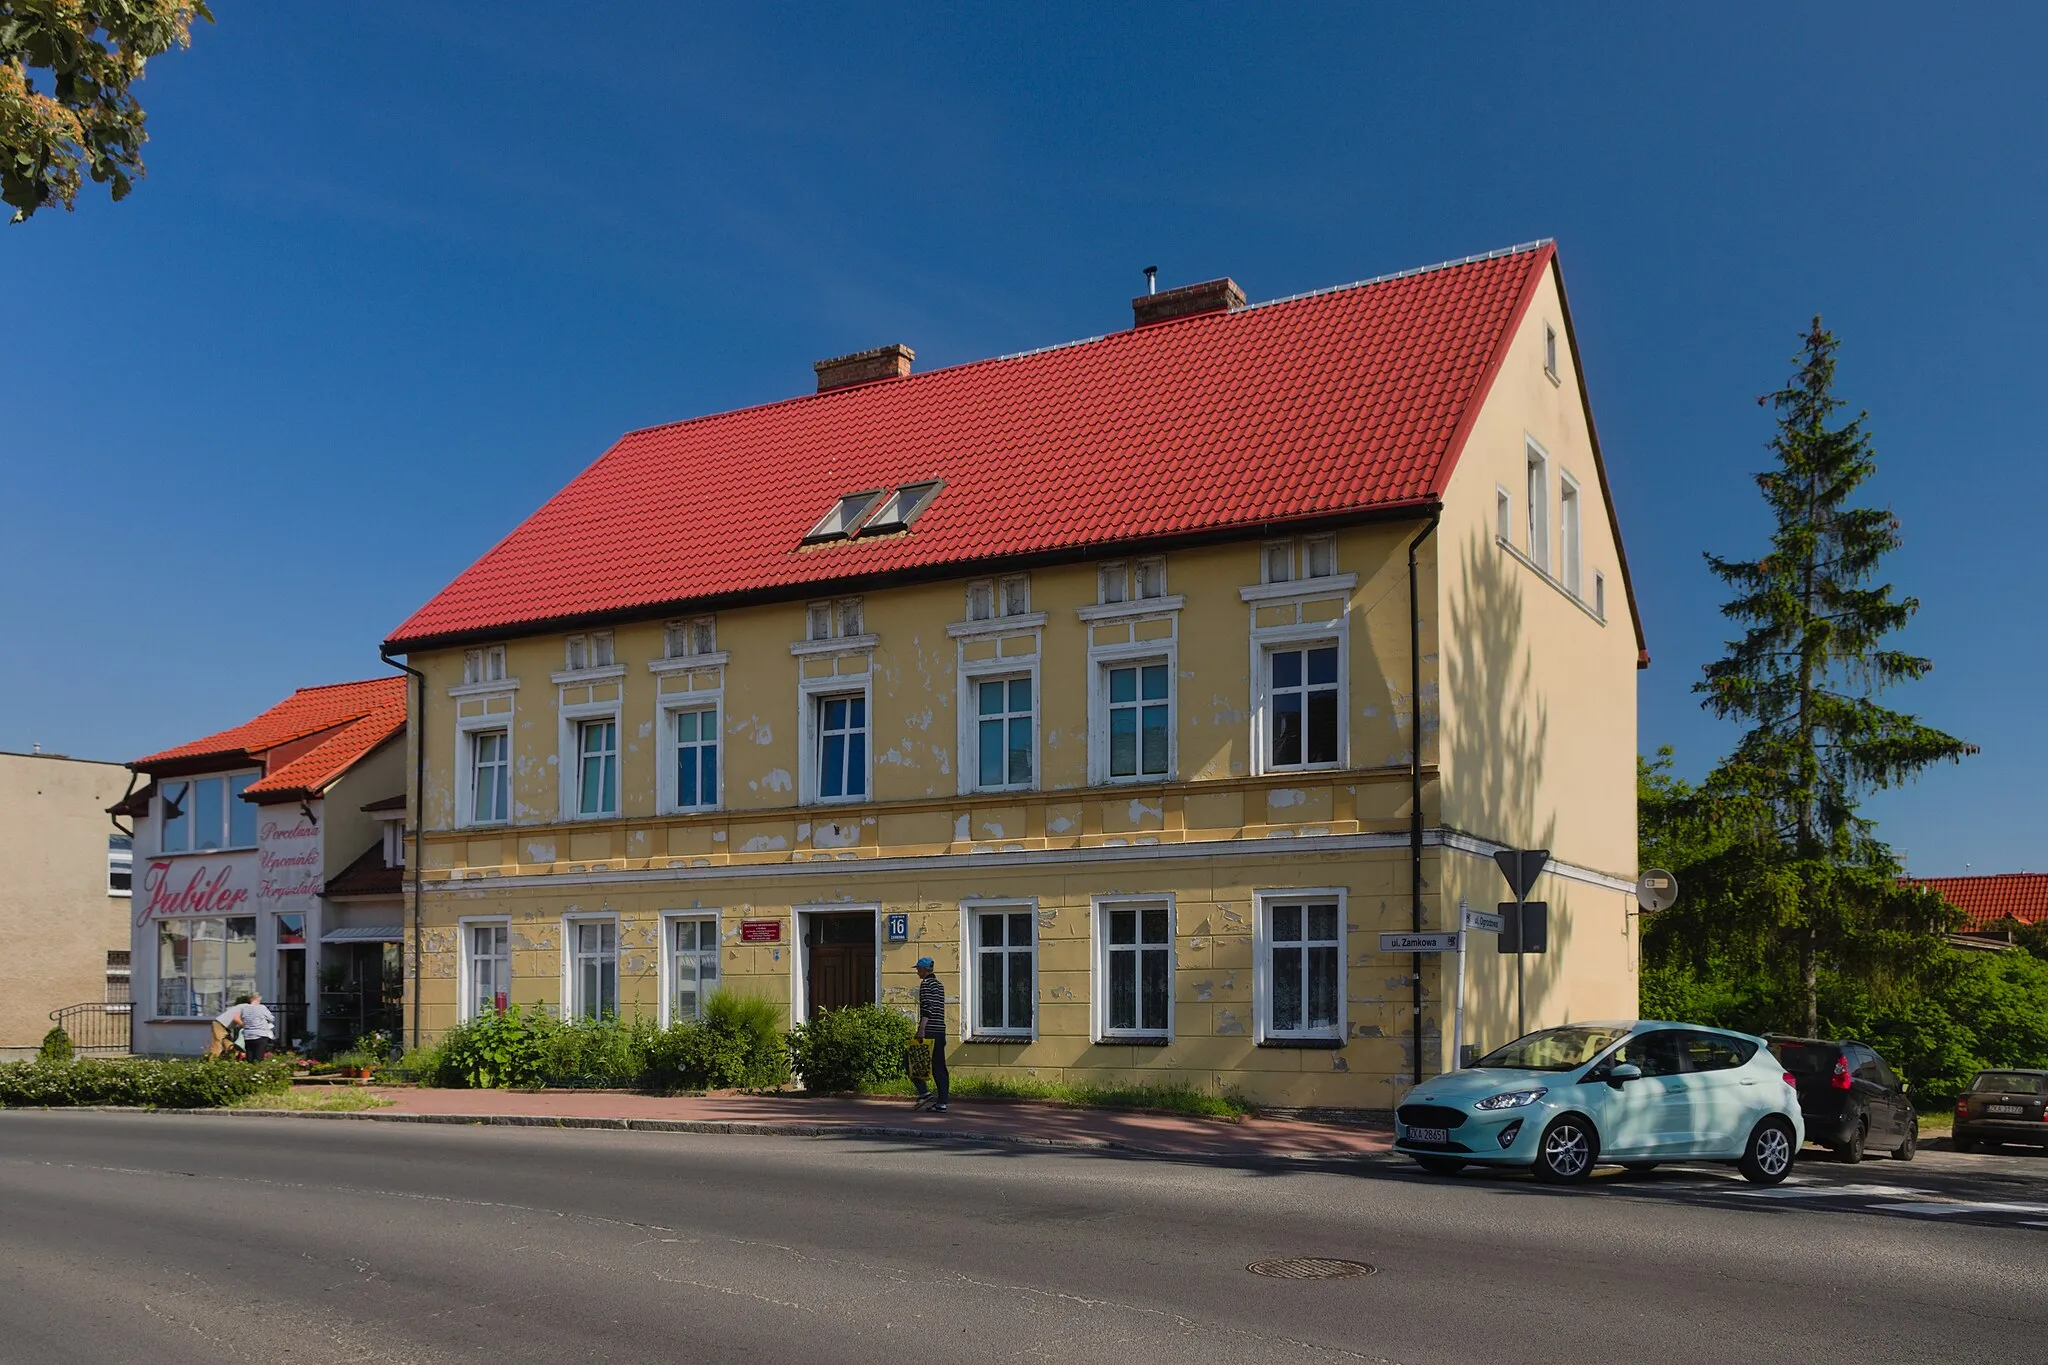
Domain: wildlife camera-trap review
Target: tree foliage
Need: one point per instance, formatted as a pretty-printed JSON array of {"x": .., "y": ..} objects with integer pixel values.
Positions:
[
  {"x": 67, "y": 109},
  {"x": 1808, "y": 878}
]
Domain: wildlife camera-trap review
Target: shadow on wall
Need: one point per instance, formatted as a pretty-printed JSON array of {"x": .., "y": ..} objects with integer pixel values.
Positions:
[{"x": 1496, "y": 745}]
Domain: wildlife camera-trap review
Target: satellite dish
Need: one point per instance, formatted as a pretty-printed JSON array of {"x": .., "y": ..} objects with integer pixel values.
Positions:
[{"x": 1656, "y": 890}]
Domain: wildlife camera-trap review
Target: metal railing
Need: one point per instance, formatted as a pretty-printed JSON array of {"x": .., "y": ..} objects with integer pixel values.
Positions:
[{"x": 97, "y": 1026}]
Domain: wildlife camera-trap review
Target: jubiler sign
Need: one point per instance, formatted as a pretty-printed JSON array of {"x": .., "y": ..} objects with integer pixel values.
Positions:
[{"x": 196, "y": 886}]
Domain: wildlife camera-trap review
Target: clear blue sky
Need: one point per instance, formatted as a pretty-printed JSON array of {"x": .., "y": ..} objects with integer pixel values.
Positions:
[{"x": 398, "y": 273}]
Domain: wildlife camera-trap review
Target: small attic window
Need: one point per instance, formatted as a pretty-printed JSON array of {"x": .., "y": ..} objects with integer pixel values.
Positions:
[
  {"x": 902, "y": 507},
  {"x": 844, "y": 518}
]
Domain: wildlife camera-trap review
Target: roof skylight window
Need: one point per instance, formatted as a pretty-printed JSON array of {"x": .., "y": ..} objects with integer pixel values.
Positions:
[
  {"x": 844, "y": 518},
  {"x": 902, "y": 507}
]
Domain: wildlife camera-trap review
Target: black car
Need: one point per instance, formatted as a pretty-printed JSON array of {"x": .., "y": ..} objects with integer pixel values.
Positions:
[
  {"x": 2003, "y": 1106},
  {"x": 1849, "y": 1097}
]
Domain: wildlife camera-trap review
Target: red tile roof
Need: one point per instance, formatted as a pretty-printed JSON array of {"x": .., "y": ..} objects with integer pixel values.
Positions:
[
  {"x": 1985, "y": 901},
  {"x": 1329, "y": 405},
  {"x": 367, "y": 876},
  {"x": 360, "y": 715}
]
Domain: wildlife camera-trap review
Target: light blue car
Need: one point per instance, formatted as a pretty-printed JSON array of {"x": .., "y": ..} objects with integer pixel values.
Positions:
[{"x": 1563, "y": 1100}]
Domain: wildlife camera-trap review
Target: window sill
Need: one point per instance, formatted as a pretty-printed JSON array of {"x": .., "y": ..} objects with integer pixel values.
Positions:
[
  {"x": 997, "y": 625},
  {"x": 570, "y": 677},
  {"x": 990, "y": 1039},
  {"x": 1307, "y": 1044},
  {"x": 1327, "y": 585},
  {"x": 1136, "y": 1040},
  {"x": 484, "y": 689},
  {"x": 1142, "y": 606},
  {"x": 843, "y": 644},
  {"x": 684, "y": 663}
]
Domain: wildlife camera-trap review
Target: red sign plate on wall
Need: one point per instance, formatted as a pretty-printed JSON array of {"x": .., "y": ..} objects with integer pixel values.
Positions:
[{"x": 760, "y": 931}]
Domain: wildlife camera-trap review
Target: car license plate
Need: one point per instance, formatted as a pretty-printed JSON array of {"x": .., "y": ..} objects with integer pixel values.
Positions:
[
  {"x": 1429, "y": 1135},
  {"x": 1998, "y": 1109}
]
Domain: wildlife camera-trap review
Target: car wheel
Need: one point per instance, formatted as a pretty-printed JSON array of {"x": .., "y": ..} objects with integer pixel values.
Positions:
[
  {"x": 1440, "y": 1165},
  {"x": 1768, "y": 1157},
  {"x": 1851, "y": 1152},
  {"x": 1904, "y": 1151},
  {"x": 1566, "y": 1153},
  {"x": 1962, "y": 1144}
]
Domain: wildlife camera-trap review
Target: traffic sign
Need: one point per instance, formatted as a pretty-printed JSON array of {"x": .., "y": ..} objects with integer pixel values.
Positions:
[
  {"x": 1522, "y": 867},
  {"x": 1534, "y": 934},
  {"x": 1419, "y": 943},
  {"x": 1484, "y": 921}
]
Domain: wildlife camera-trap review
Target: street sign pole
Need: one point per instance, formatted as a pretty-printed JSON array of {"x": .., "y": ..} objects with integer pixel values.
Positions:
[
  {"x": 1521, "y": 932},
  {"x": 1458, "y": 1011}
]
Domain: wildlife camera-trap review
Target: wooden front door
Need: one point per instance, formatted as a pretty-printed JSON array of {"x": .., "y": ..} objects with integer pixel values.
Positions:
[{"x": 840, "y": 962}]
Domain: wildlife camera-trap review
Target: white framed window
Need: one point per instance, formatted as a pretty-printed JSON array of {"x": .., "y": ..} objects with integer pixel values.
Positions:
[
  {"x": 486, "y": 967},
  {"x": 1005, "y": 731},
  {"x": 1568, "y": 534},
  {"x": 597, "y": 766},
  {"x": 1113, "y": 582},
  {"x": 1138, "y": 702},
  {"x": 1289, "y": 561},
  {"x": 689, "y": 638},
  {"x": 981, "y": 600},
  {"x": 1134, "y": 969},
  {"x": 120, "y": 865},
  {"x": 205, "y": 814},
  {"x": 120, "y": 983},
  {"x": 693, "y": 757},
  {"x": 689, "y": 965},
  {"x": 1303, "y": 705},
  {"x": 1600, "y": 594},
  {"x": 901, "y": 508},
  {"x": 1000, "y": 990},
  {"x": 1319, "y": 557},
  {"x": 1140, "y": 580},
  {"x": 844, "y": 518},
  {"x": 841, "y": 758},
  {"x": 1013, "y": 594},
  {"x": 1276, "y": 563},
  {"x": 1539, "y": 505},
  {"x": 1503, "y": 515},
  {"x": 593, "y": 952},
  {"x": 840, "y": 620},
  {"x": 593, "y": 649},
  {"x": 203, "y": 964},
  {"x": 490, "y": 776},
  {"x": 818, "y": 621},
  {"x": 1298, "y": 965},
  {"x": 1550, "y": 350},
  {"x": 483, "y": 665},
  {"x": 1148, "y": 579}
]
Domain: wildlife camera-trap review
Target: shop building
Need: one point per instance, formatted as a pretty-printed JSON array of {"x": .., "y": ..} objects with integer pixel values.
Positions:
[
  {"x": 1142, "y": 682},
  {"x": 64, "y": 903},
  {"x": 253, "y": 854}
]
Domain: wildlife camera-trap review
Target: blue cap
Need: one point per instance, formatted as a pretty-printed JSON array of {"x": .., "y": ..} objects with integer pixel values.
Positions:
[{"x": 924, "y": 962}]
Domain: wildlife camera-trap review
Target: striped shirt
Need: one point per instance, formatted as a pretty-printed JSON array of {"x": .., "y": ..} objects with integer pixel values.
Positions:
[{"x": 931, "y": 1008}]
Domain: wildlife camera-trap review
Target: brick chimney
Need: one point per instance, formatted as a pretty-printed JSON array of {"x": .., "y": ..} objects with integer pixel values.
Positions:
[
  {"x": 864, "y": 367},
  {"x": 1211, "y": 296}
]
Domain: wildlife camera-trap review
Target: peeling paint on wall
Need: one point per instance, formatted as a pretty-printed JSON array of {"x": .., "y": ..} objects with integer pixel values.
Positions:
[
  {"x": 765, "y": 843},
  {"x": 1057, "y": 824},
  {"x": 1205, "y": 990},
  {"x": 1228, "y": 1022},
  {"x": 540, "y": 851},
  {"x": 1283, "y": 797}
]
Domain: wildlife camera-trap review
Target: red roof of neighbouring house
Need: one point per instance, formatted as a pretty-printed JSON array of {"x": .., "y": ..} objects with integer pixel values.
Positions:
[
  {"x": 1985, "y": 901},
  {"x": 1333, "y": 404},
  {"x": 368, "y": 875},
  {"x": 321, "y": 731}
]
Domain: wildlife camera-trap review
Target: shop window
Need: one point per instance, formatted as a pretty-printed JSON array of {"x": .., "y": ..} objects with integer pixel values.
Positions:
[
  {"x": 204, "y": 965},
  {"x": 594, "y": 969},
  {"x": 1301, "y": 967},
  {"x": 1136, "y": 968},
  {"x": 1002, "y": 977},
  {"x": 692, "y": 966}
]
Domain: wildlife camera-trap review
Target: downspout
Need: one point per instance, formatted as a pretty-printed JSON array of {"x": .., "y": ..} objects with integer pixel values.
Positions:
[
  {"x": 416, "y": 720},
  {"x": 1415, "y": 767}
]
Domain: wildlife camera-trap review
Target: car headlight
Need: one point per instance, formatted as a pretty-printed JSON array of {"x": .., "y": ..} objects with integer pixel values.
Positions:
[{"x": 1512, "y": 1099}]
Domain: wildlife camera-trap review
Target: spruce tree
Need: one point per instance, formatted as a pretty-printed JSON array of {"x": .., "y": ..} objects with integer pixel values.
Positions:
[{"x": 1804, "y": 678}]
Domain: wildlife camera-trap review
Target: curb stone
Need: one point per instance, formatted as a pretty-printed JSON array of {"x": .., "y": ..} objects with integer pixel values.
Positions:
[{"x": 747, "y": 1128}]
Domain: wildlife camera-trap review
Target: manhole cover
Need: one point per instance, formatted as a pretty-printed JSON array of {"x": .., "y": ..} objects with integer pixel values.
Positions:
[{"x": 1309, "y": 1268}]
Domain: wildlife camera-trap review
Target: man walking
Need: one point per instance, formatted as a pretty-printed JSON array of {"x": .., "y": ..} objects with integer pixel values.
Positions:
[
  {"x": 931, "y": 1024},
  {"x": 259, "y": 1026}
]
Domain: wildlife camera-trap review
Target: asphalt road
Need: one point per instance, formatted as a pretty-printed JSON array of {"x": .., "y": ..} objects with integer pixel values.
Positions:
[{"x": 168, "y": 1239}]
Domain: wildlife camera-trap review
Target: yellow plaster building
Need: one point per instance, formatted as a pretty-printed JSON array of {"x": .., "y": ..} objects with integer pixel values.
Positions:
[{"x": 1090, "y": 673}]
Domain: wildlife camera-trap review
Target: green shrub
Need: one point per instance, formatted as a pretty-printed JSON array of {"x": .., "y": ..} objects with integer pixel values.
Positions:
[
  {"x": 160, "y": 1085},
  {"x": 56, "y": 1046},
  {"x": 586, "y": 1052},
  {"x": 424, "y": 1066},
  {"x": 847, "y": 1049},
  {"x": 495, "y": 1052},
  {"x": 736, "y": 1041}
]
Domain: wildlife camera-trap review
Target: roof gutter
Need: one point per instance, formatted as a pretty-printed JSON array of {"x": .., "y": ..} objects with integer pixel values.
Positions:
[
  {"x": 1415, "y": 769},
  {"x": 416, "y": 717}
]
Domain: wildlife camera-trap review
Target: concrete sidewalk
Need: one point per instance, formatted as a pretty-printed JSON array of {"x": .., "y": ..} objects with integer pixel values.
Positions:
[{"x": 1023, "y": 1123}]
